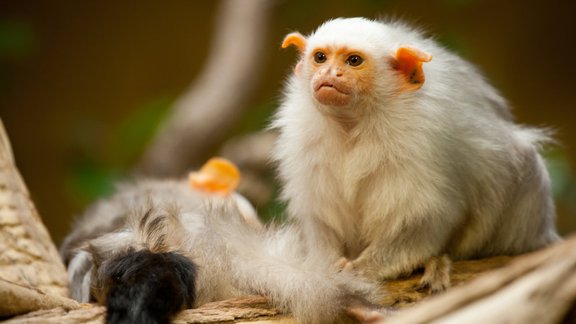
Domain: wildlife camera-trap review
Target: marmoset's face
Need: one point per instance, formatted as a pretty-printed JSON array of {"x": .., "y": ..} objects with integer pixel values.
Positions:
[{"x": 338, "y": 74}]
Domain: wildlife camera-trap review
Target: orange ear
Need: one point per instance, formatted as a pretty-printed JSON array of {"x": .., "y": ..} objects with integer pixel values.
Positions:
[
  {"x": 218, "y": 176},
  {"x": 409, "y": 62},
  {"x": 295, "y": 39}
]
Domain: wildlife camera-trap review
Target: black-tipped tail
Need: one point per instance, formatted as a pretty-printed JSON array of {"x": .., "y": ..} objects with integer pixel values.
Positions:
[{"x": 146, "y": 287}]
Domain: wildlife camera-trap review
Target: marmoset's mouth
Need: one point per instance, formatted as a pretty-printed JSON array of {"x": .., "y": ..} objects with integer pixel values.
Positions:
[
  {"x": 331, "y": 94},
  {"x": 328, "y": 84}
]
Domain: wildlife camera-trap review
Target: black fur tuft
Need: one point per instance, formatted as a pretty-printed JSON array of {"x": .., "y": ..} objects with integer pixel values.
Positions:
[{"x": 146, "y": 287}]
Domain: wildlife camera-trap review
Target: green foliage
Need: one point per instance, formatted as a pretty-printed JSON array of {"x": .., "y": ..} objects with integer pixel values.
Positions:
[
  {"x": 94, "y": 174},
  {"x": 16, "y": 39},
  {"x": 89, "y": 180},
  {"x": 130, "y": 135},
  {"x": 455, "y": 43},
  {"x": 275, "y": 209},
  {"x": 257, "y": 118},
  {"x": 563, "y": 181}
]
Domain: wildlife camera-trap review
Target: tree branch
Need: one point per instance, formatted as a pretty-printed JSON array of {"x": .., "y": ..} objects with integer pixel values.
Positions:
[
  {"x": 28, "y": 255},
  {"x": 535, "y": 288},
  {"x": 20, "y": 299}
]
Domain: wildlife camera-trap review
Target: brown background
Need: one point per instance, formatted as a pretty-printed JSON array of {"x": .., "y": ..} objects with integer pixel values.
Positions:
[{"x": 82, "y": 83}]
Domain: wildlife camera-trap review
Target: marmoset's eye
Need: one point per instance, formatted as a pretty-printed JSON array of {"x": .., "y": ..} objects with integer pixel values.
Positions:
[
  {"x": 319, "y": 57},
  {"x": 354, "y": 60}
]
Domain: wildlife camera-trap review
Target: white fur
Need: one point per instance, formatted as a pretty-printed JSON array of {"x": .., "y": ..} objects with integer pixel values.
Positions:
[
  {"x": 441, "y": 169},
  {"x": 79, "y": 271}
]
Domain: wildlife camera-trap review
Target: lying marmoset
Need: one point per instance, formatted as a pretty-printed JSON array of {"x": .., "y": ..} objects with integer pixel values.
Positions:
[
  {"x": 156, "y": 247},
  {"x": 394, "y": 152}
]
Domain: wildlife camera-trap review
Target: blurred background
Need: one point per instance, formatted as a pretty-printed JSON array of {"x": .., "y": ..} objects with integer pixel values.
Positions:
[{"x": 84, "y": 85}]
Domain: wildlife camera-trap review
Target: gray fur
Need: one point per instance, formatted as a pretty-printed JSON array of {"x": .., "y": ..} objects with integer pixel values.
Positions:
[{"x": 234, "y": 257}]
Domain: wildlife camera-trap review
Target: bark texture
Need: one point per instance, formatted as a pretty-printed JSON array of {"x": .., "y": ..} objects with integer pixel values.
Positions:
[
  {"x": 28, "y": 256},
  {"x": 535, "y": 288}
]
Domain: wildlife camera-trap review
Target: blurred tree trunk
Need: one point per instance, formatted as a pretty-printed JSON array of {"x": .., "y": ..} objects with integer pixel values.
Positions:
[{"x": 203, "y": 115}]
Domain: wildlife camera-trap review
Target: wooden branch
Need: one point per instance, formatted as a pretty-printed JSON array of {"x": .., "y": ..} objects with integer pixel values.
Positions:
[
  {"x": 535, "y": 288},
  {"x": 404, "y": 293},
  {"x": 87, "y": 314},
  {"x": 20, "y": 299},
  {"x": 253, "y": 309},
  {"x": 202, "y": 116},
  {"x": 28, "y": 255},
  {"x": 247, "y": 308}
]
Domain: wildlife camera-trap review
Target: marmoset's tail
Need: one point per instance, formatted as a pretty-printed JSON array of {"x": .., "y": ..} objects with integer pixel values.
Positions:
[{"x": 147, "y": 287}]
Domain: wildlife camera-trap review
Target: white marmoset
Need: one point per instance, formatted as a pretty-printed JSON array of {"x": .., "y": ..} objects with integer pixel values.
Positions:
[{"x": 394, "y": 152}]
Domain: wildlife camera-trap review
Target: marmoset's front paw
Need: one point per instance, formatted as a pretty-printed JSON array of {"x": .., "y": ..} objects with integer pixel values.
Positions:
[{"x": 436, "y": 276}]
